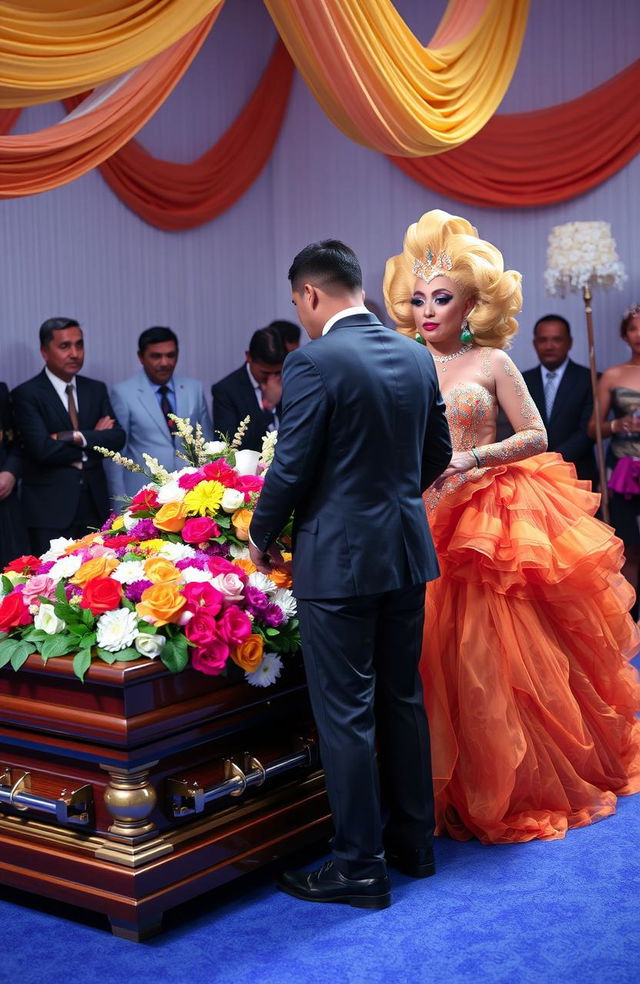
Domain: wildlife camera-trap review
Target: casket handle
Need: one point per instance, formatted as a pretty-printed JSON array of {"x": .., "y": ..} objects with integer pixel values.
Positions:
[
  {"x": 74, "y": 807},
  {"x": 187, "y": 797}
]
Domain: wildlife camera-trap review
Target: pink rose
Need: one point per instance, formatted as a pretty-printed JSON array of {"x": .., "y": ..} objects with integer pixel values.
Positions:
[
  {"x": 190, "y": 480},
  {"x": 39, "y": 585},
  {"x": 218, "y": 565},
  {"x": 249, "y": 483},
  {"x": 202, "y": 595},
  {"x": 234, "y": 626},
  {"x": 199, "y": 530},
  {"x": 211, "y": 660},
  {"x": 230, "y": 586},
  {"x": 202, "y": 629}
]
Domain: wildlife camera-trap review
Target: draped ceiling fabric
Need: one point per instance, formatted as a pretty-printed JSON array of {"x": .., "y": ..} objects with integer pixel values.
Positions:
[
  {"x": 542, "y": 157},
  {"x": 74, "y": 45},
  {"x": 383, "y": 88}
]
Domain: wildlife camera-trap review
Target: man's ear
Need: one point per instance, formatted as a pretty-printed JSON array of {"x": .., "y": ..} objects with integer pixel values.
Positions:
[{"x": 311, "y": 296}]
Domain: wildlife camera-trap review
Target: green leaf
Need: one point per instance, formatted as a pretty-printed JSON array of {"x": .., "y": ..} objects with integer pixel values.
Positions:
[
  {"x": 224, "y": 521},
  {"x": 78, "y": 629},
  {"x": 66, "y": 612},
  {"x": 271, "y": 632},
  {"x": 129, "y": 605},
  {"x": 21, "y": 653},
  {"x": 35, "y": 635},
  {"x": 81, "y": 663},
  {"x": 88, "y": 618},
  {"x": 175, "y": 656},
  {"x": 60, "y": 592},
  {"x": 58, "y": 645},
  {"x": 105, "y": 655},
  {"x": 7, "y": 648},
  {"x": 87, "y": 641},
  {"x": 7, "y": 585},
  {"x": 127, "y": 655},
  {"x": 147, "y": 628}
]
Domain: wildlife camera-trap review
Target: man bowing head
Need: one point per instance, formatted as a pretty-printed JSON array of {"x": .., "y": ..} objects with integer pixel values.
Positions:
[{"x": 362, "y": 434}]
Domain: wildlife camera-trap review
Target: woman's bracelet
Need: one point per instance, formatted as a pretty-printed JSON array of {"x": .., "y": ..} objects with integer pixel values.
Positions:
[
  {"x": 612, "y": 423},
  {"x": 477, "y": 457}
]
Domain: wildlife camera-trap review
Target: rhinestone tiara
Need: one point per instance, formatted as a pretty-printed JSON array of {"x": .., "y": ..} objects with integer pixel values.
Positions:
[{"x": 432, "y": 266}]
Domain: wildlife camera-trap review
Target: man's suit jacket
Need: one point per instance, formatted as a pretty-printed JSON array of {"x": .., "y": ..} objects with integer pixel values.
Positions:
[
  {"x": 50, "y": 487},
  {"x": 234, "y": 399},
  {"x": 9, "y": 453},
  {"x": 572, "y": 408},
  {"x": 137, "y": 408},
  {"x": 363, "y": 433}
]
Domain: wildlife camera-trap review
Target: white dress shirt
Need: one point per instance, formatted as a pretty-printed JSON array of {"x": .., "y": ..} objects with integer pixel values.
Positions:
[
  {"x": 358, "y": 309},
  {"x": 60, "y": 387},
  {"x": 555, "y": 382}
]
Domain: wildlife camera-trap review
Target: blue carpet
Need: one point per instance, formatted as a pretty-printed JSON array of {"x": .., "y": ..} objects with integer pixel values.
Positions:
[{"x": 539, "y": 912}]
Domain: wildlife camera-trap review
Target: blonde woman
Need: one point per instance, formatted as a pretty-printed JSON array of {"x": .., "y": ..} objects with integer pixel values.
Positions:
[{"x": 529, "y": 692}]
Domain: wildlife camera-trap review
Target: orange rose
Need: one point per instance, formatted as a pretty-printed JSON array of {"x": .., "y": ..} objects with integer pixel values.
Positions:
[
  {"x": 248, "y": 654},
  {"x": 161, "y": 571},
  {"x": 86, "y": 541},
  {"x": 161, "y": 603},
  {"x": 281, "y": 577},
  {"x": 241, "y": 521},
  {"x": 98, "y": 567},
  {"x": 247, "y": 565},
  {"x": 170, "y": 517}
]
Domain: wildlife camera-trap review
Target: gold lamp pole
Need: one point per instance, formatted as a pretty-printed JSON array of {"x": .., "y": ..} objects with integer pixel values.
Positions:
[{"x": 582, "y": 255}]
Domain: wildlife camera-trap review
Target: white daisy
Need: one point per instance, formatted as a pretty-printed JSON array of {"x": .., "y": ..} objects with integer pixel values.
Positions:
[
  {"x": 285, "y": 600},
  {"x": 129, "y": 571},
  {"x": 267, "y": 673},
  {"x": 262, "y": 583},
  {"x": 175, "y": 551},
  {"x": 65, "y": 567}
]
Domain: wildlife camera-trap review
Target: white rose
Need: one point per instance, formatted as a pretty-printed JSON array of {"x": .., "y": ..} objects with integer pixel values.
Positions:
[
  {"x": 129, "y": 571},
  {"x": 65, "y": 567},
  {"x": 238, "y": 552},
  {"x": 47, "y": 620},
  {"x": 149, "y": 645},
  {"x": 230, "y": 586},
  {"x": 214, "y": 447},
  {"x": 171, "y": 492},
  {"x": 116, "y": 630},
  {"x": 232, "y": 499}
]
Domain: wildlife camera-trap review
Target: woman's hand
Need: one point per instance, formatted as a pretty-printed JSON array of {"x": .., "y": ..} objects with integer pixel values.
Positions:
[
  {"x": 625, "y": 425},
  {"x": 461, "y": 461}
]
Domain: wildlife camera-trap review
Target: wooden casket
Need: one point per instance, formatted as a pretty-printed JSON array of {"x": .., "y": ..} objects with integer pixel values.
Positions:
[{"x": 137, "y": 790}]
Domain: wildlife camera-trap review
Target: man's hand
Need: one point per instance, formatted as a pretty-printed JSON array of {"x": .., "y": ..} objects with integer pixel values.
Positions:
[
  {"x": 105, "y": 424},
  {"x": 271, "y": 392},
  {"x": 7, "y": 484},
  {"x": 266, "y": 562}
]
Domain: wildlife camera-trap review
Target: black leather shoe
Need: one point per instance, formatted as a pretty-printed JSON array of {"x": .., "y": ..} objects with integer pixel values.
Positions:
[
  {"x": 417, "y": 862},
  {"x": 327, "y": 884}
]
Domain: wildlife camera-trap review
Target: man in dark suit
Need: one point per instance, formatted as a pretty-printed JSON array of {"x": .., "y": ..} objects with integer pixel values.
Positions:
[
  {"x": 60, "y": 417},
  {"x": 13, "y": 535},
  {"x": 562, "y": 392},
  {"x": 363, "y": 433},
  {"x": 252, "y": 391}
]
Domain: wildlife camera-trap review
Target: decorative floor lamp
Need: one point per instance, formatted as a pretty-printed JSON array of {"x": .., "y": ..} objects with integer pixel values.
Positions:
[{"x": 582, "y": 255}]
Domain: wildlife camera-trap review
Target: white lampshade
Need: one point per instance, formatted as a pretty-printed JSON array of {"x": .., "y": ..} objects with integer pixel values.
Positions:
[{"x": 582, "y": 254}]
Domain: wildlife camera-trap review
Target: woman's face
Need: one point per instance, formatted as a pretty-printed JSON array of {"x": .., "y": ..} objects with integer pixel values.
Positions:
[
  {"x": 439, "y": 308},
  {"x": 632, "y": 337}
]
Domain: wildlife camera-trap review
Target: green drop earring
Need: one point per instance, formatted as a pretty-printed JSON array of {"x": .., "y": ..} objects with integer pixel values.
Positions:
[{"x": 466, "y": 335}]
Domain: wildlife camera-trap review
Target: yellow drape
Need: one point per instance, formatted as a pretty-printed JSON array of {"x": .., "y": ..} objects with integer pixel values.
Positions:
[
  {"x": 73, "y": 45},
  {"x": 383, "y": 88}
]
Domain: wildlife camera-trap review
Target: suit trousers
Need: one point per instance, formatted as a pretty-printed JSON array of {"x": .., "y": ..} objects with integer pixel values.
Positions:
[{"x": 361, "y": 658}]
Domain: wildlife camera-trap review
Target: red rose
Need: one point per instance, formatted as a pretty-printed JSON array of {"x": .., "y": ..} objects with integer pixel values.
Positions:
[
  {"x": 234, "y": 626},
  {"x": 202, "y": 595},
  {"x": 220, "y": 471},
  {"x": 249, "y": 483},
  {"x": 199, "y": 530},
  {"x": 13, "y": 612},
  {"x": 24, "y": 565},
  {"x": 123, "y": 540},
  {"x": 101, "y": 594},
  {"x": 202, "y": 629},
  {"x": 211, "y": 660},
  {"x": 145, "y": 500}
]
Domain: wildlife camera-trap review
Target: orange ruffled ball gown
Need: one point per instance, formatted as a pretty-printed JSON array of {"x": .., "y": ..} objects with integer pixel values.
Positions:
[{"x": 529, "y": 691}]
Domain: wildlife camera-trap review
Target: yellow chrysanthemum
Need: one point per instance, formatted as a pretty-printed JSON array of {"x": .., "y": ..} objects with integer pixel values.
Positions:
[
  {"x": 148, "y": 546},
  {"x": 204, "y": 499},
  {"x": 118, "y": 523}
]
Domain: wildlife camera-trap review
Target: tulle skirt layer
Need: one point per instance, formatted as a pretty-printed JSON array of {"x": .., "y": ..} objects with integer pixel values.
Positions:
[{"x": 530, "y": 694}]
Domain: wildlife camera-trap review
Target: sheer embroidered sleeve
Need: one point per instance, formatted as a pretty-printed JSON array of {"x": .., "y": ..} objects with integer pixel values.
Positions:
[{"x": 512, "y": 395}]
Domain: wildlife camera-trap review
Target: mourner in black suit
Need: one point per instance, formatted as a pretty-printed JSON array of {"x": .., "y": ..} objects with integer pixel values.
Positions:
[
  {"x": 13, "y": 535},
  {"x": 363, "y": 432},
  {"x": 565, "y": 400},
  {"x": 253, "y": 390},
  {"x": 60, "y": 417}
]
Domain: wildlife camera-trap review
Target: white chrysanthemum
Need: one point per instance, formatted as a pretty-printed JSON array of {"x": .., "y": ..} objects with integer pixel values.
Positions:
[
  {"x": 267, "y": 673},
  {"x": 65, "y": 567},
  {"x": 212, "y": 448},
  {"x": 238, "y": 552},
  {"x": 262, "y": 582},
  {"x": 116, "y": 630},
  {"x": 129, "y": 521},
  {"x": 149, "y": 645},
  {"x": 232, "y": 499},
  {"x": 175, "y": 551},
  {"x": 56, "y": 548},
  {"x": 47, "y": 620},
  {"x": 191, "y": 575},
  {"x": 129, "y": 571},
  {"x": 285, "y": 600},
  {"x": 171, "y": 492}
]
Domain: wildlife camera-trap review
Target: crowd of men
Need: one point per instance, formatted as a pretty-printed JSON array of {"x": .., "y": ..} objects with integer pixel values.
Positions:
[{"x": 53, "y": 483}]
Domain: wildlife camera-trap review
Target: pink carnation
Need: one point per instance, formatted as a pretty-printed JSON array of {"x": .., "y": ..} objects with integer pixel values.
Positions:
[
  {"x": 39, "y": 585},
  {"x": 219, "y": 565},
  {"x": 250, "y": 483},
  {"x": 190, "y": 480},
  {"x": 200, "y": 529}
]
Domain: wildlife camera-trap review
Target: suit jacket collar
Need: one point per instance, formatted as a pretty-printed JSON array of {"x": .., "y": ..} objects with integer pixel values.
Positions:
[{"x": 353, "y": 320}]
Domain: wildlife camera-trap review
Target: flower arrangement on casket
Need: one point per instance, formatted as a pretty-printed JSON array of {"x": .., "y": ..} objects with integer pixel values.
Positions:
[{"x": 169, "y": 577}]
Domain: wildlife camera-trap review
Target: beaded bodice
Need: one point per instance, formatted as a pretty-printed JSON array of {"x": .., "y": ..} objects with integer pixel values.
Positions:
[{"x": 624, "y": 401}]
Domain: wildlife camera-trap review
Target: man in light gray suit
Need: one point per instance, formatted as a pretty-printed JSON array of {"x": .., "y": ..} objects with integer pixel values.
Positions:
[{"x": 144, "y": 402}]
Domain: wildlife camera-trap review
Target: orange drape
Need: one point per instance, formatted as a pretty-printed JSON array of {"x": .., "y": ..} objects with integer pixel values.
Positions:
[
  {"x": 32, "y": 163},
  {"x": 181, "y": 196},
  {"x": 539, "y": 158}
]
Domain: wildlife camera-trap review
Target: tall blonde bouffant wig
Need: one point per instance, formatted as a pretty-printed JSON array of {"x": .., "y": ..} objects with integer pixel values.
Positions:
[{"x": 474, "y": 265}]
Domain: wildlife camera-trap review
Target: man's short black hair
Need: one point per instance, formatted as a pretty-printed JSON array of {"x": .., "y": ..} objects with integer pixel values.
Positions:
[
  {"x": 329, "y": 265},
  {"x": 266, "y": 346},
  {"x": 48, "y": 327},
  {"x": 289, "y": 331},
  {"x": 152, "y": 336},
  {"x": 552, "y": 317}
]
